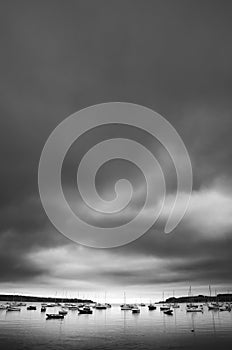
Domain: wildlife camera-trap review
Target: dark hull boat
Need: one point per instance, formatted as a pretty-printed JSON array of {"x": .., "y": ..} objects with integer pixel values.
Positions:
[
  {"x": 151, "y": 307},
  {"x": 164, "y": 308},
  {"x": 168, "y": 312},
  {"x": 100, "y": 306},
  {"x": 43, "y": 309},
  {"x": 85, "y": 311},
  {"x": 31, "y": 307},
  {"x": 135, "y": 310},
  {"x": 54, "y": 316}
]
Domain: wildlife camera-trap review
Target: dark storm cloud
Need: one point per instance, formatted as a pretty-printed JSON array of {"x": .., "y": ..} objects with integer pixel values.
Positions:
[
  {"x": 58, "y": 57},
  {"x": 24, "y": 230},
  {"x": 18, "y": 268}
]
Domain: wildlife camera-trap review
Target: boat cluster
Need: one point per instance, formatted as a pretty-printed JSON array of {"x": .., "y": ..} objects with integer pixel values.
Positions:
[
  {"x": 219, "y": 306},
  {"x": 169, "y": 308},
  {"x": 14, "y": 306},
  {"x": 211, "y": 306},
  {"x": 134, "y": 308},
  {"x": 191, "y": 307},
  {"x": 65, "y": 307},
  {"x": 81, "y": 308},
  {"x": 165, "y": 308},
  {"x": 194, "y": 308}
]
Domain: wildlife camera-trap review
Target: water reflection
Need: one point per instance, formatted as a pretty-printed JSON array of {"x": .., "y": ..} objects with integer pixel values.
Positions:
[{"x": 113, "y": 328}]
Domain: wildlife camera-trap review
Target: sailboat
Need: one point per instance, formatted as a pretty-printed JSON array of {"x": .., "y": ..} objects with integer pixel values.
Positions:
[
  {"x": 193, "y": 307},
  {"x": 125, "y": 306},
  {"x": 135, "y": 309},
  {"x": 85, "y": 310},
  {"x": 151, "y": 307},
  {"x": 164, "y": 307},
  {"x": 175, "y": 305},
  {"x": 213, "y": 305},
  {"x": 13, "y": 308},
  {"x": 100, "y": 306}
]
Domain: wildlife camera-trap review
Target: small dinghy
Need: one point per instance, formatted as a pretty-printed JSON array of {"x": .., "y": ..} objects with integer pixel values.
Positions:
[
  {"x": 85, "y": 310},
  {"x": 135, "y": 310},
  {"x": 54, "y": 316},
  {"x": 13, "y": 308},
  {"x": 43, "y": 309},
  {"x": 31, "y": 307},
  {"x": 213, "y": 306}
]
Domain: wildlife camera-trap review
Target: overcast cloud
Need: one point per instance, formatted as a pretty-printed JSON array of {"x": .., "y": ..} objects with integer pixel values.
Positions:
[{"x": 60, "y": 56}]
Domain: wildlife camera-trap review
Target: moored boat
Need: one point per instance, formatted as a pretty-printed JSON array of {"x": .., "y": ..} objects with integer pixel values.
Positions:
[
  {"x": 151, "y": 307},
  {"x": 63, "y": 312},
  {"x": 20, "y": 304},
  {"x": 73, "y": 307},
  {"x": 225, "y": 307},
  {"x": 168, "y": 312},
  {"x": 165, "y": 308},
  {"x": 31, "y": 307},
  {"x": 214, "y": 306},
  {"x": 51, "y": 305},
  {"x": 194, "y": 309},
  {"x": 13, "y": 308},
  {"x": 126, "y": 307},
  {"x": 54, "y": 316},
  {"x": 85, "y": 310},
  {"x": 100, "y": 306},
  {"x": 193, "y": 306},
  {"x": 135, "y": 310}
]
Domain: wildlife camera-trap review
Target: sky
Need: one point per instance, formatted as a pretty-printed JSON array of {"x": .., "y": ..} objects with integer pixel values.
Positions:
[{"x": 58, "y": 57}]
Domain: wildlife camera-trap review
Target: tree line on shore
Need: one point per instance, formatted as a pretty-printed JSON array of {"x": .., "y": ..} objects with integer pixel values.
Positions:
[
  {"x": 200, "y": 299},
  {"x": 26, "y": 298}
]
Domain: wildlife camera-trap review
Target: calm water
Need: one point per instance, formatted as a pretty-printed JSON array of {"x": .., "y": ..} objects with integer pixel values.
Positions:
[{"x": 113, "y": 328}]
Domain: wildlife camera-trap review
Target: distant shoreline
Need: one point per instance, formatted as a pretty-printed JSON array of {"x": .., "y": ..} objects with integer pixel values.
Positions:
[
  {"x": 26, "y": 298},
  {"x": 199, "y": 299},
  {"x": 183, "y": 299}
]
